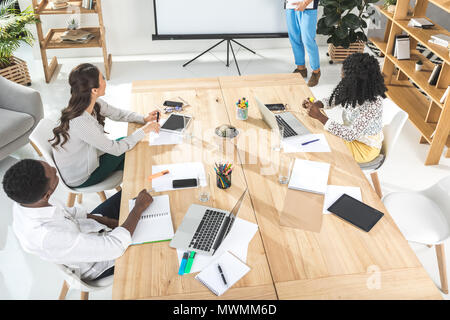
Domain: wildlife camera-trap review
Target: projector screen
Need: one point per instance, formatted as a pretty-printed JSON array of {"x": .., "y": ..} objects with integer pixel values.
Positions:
[{"x": 218, "y": 19}]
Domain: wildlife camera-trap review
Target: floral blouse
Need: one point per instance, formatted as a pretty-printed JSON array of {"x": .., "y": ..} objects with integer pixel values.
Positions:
[{"x": 363, "y": 123}]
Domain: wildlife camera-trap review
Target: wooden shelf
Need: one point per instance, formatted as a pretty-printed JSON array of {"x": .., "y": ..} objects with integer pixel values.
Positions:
[
  {"x": 443, "y": 4},
  {"x": 74, "y": 7},
  {"x": 53, "y": 39}
]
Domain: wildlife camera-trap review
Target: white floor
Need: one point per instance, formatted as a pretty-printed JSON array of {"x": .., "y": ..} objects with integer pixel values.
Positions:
[{"x": 23, "y": 276}]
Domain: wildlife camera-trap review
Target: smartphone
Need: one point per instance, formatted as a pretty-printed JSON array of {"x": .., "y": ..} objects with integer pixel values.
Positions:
[
  {"x": 172, "y": 104},
  {"x": 276, "y": 107},
  {"x": 184, "y": 183}
]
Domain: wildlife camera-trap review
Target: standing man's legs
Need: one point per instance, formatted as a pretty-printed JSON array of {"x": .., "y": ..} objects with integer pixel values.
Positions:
[
  {"x": 308, "y": 26},
  {"x": 295, "y": 37}
]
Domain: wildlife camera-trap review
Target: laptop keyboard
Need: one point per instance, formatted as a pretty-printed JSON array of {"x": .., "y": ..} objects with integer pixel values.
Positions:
[
  {"x": 288, "y": 131},
  {"x": 206, "y": 232}
]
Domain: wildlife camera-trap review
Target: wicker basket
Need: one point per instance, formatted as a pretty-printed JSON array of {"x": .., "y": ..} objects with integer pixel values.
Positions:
[
  {"x": 339, "y": 54},
  {"x": 17, "y": 72}
]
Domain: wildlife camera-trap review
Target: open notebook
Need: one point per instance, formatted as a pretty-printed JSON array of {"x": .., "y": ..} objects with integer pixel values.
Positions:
[
  {"x": 233, "y": 270},
  {"x": 155, "y": 224}
]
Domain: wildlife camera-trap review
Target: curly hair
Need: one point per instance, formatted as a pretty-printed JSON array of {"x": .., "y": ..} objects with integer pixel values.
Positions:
[
  {"x": 26, "y": 182},
  {"x": 362, "y": 81}
]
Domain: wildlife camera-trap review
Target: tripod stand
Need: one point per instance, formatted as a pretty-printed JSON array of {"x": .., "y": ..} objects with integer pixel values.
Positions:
[{"x": 228, "y": 40}]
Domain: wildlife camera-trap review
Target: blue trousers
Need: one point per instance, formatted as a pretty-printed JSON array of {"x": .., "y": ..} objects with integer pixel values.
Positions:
[{"x": 302, "y": 33}]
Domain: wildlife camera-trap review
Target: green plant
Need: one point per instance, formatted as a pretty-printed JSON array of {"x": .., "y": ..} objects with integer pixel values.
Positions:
[
  {"x": 343, "y": 21},
  {"x": 388, "y": 3},
  {"x": 13, "y": 30}
]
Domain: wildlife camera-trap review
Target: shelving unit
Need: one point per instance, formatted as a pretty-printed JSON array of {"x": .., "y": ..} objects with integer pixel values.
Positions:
[
  {"x": 52, "y": 39},
  {"x": 428, "y": 115}
]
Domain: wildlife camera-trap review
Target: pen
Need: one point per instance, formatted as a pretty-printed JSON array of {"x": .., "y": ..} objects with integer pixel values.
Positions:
[
  {"x": 183, "y": 263},
  {"x": 305, "y": 143},
  {"x": 157, "y": 116},
  {"x": 190, "y": 262},
  {"x": 222, "y": 275},
  {"x": 159, "y": 174}
]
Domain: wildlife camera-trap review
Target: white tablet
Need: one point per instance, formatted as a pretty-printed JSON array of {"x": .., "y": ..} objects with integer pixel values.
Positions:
[{"x": 176, "y": 123}]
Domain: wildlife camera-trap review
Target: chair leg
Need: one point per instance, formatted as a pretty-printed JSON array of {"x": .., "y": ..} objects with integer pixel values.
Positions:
[
  {"x": 118, "y": 188},
  {"x": 376, "y": 183},
  {"x": 71, "y": 199},
  {"x": 36, "y": 149},
  {"x": 102, "y": 195},
  {"x": 80, "y": 198},
  {"x": 429, "y": 245},
  {"x": 64, "y": 290},
  {"x": 84, "y": 295},
  {"x": 440, "y": 253}
]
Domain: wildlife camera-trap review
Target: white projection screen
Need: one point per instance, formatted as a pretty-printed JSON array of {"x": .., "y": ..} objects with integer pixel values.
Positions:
[{"x": 218, "y": 19}]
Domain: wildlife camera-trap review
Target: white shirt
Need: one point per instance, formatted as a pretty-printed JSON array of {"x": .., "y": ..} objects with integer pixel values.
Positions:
[{"x": 66, "y": 236}]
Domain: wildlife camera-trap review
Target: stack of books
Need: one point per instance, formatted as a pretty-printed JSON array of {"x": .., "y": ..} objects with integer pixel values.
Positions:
[
  {"x": 420, "y": 23},
  {"x": 440, "y": 39},
  {"x": 87, "y": 4},
  {"x": 76, "y": 36},
  {"x": 58, "y": 4}
]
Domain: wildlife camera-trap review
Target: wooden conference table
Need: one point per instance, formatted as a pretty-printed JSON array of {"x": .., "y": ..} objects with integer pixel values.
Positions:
[{"x": 339, "y": 262}]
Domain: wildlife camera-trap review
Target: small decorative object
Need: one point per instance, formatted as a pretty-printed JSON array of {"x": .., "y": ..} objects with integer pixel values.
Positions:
[
  {"x": 226, "y": 131},
  {"x": 242, "y": 109},
  {"x": 72, "y": 24},
  {"x": 389, "y": 5},
  {"x": 419, "y": 65}
]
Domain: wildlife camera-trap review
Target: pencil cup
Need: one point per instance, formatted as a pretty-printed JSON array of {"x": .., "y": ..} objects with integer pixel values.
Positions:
[
  {"x": 223, "y": 181},
  {"x": 242, "y": 113}
]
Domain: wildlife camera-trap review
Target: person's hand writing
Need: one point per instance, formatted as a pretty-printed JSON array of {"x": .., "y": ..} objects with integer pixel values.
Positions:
[
  {"x": 151, "y": 126},
  {"x": 151, "y": 116},
  {"x": 143, "y": 200}
]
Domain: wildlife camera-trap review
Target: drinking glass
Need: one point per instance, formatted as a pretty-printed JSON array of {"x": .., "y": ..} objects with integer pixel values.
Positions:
[
  {"x": 204, "y": 191},
  {"x": 284, "y": 168}
]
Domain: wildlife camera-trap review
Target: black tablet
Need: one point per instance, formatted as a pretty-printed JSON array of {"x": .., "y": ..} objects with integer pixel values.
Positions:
[
  {"x": 176, "y": 122},
  {"x": 357, "y": 213}
]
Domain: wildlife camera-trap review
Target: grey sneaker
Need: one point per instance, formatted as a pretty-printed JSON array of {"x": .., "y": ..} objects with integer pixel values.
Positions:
[
  {"x": 303, "y": 72},
  {"x": 314, "y": 80}
]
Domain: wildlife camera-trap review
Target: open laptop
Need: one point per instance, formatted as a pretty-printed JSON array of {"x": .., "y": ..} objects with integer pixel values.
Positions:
[
  {"x": 292, "y": 127},
  {"x": 204, "y": 228}
]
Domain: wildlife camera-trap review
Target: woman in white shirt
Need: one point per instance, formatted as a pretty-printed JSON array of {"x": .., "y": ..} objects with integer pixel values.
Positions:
[{"x": 83, "y": 153}]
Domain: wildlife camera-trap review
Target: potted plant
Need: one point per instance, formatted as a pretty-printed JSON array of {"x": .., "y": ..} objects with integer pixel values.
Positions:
[
  {"x": 389, "y": 5},
  {"x": 344, "y": 21},
  {"x": 419, "y": 65},
  {"x": 13, "y": 32},
  {"x": 72, "y": 24}
]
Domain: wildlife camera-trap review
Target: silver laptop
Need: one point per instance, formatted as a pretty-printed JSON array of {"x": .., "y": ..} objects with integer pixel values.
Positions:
[
  {"x": 292, "y": 127},
  {"x": 203, "y": 229}
]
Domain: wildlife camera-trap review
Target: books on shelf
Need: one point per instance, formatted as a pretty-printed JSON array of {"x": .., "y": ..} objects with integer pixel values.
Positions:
[
  {"x": 402, "y": 47},
  {"x": 440, "y": 39},
  {"x": 87, "y": 4},
  {"x": 445, "y": 95},
  {"x": 420, "y": 23},
  {"x": 58, "y": 4},
  {"x": 76, "y": 36},
  {"x": 435, "y": 74}
]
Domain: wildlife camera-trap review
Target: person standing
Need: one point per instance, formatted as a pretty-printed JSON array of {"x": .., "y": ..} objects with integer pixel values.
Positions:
[{"x": 301, "y": 23}]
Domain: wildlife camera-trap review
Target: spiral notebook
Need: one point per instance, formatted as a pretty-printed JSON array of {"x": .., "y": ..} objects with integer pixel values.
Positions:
[
  {"x": 155, "y": 224},
  {"x": 232, "y": 268}
]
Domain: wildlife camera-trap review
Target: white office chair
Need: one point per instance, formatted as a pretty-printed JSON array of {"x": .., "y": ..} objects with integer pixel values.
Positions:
[
  {"x": 391, "y": 132},
  {"x": 40, "y": 136},
  {"x": 424, "y": 217},
  {"x": 73, "y": 281}
]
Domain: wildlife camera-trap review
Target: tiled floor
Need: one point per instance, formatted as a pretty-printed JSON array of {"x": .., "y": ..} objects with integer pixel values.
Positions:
[{"x": 23, "y": 276}]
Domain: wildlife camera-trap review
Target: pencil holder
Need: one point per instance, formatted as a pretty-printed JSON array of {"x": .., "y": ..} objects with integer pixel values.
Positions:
[
  {"x": 242, "y": 113},
  {"x": 223, "y": 181}
]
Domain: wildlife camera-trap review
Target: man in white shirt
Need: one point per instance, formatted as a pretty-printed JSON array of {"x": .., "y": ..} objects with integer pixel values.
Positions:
[{"x": 84, "y": 242}]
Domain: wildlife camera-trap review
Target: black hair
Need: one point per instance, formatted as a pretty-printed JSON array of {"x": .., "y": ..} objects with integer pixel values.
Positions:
[
  {"x": 25, "y": 182},
  {"x": 362, "y": 81}
]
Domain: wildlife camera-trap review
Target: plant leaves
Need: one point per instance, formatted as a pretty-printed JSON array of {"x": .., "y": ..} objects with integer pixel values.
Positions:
[{"x": 332, "y": 19}]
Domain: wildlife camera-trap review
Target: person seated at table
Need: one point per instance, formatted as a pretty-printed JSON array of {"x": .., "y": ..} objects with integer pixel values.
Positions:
[
  {"x": 83, "y": 153},
  {"x": 85, "y": 242},
  {"x": 360, "y": 93}
]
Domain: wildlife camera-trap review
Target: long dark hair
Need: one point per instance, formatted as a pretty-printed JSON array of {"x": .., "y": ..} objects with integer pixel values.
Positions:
[
  {"x": 362, "y": 81},
  {"x": 82, "y": 80}
]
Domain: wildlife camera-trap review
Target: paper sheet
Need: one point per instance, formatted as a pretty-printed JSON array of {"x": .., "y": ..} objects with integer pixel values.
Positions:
[
  {"x": 236, "y": 242},
  {"x": 335, "y": 192},
  {"x": 183, "y": 170},
  {"x": 294, "y": 144},
  {"x": 164, "y": 138},
  {"x": 310, "y": 176}
]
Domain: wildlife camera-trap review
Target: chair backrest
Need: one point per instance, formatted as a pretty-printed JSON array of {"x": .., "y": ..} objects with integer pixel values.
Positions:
[
  {"x": 391, "y": 131},
  {"x": 75, "y": 282},
  {"x": 440, "y": 194}
]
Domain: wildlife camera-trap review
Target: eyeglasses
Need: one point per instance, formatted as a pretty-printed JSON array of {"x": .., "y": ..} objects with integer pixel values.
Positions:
[{"x": 172, "y": 109}]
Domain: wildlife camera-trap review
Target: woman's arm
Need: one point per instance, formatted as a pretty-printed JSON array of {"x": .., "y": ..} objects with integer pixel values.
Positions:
[{"x": 117, "y": 114}]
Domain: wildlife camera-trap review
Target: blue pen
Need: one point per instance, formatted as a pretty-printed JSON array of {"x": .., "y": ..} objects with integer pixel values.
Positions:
[
  {"x": 183, "y": 263},
  {"x": 305, "y": 143}
]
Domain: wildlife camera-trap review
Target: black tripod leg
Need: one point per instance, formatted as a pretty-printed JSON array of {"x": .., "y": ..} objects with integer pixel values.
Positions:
[
  {"x": 237, "y": 66},
  {"x": 228, "y": 53},
  {"x": 184, "y": 65},
  {"x": 243, "y": 46}
]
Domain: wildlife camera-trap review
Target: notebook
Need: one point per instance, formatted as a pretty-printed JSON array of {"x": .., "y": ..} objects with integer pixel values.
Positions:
[
  {"x": 233, "y": 270},
  {"x": 155, "y": 224},
  {"x": 310, "y": 176}
]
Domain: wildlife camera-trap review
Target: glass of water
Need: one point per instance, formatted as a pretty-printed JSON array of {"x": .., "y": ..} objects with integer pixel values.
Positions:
[
  {"x": 284, "y": 168},
  {"x": 203, "y": 190}
]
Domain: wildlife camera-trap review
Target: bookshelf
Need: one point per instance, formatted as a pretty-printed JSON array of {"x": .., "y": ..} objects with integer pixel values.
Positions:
[
  {"x": 52, "y": 39},
  {"x": 427, "y": 114}
]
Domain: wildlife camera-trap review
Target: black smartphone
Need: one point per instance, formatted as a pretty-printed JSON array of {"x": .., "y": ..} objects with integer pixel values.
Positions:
[
  {"x": 276, "y": 107},
  {"x": 184, "y": 183},
  {"x": 172, "y": 104}
]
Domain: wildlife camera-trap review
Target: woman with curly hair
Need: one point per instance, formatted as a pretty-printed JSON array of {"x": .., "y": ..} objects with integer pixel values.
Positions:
[{"x": 360, "y": 93}]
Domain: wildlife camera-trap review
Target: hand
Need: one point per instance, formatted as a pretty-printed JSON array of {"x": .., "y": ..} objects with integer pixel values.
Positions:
[
  {"x": 307, "y": 103},
  {"x": 151, "y": 126},
  {"x": 315, "y": 113},
  {"x": 151, "y": 116},
  {"x": 143, "y": 200},
  {"x": 301, "y": 6}
]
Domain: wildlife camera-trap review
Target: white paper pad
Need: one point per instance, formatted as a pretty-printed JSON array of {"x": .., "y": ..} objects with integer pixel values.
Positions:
[
  {"x": 294, "y": 144},
  {"x": 236, "y": 242},
  {"x": 335, "y": 192},
  {"x": 183, "y": 170},
  {"x": 309, "y": 176},
  {"x": 164, "y": 138}
]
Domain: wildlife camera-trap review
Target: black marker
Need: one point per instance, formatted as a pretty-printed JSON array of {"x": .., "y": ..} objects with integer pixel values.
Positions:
[
  {"x": 221, "y": 273},
  {"x": 157, "y": 116}
]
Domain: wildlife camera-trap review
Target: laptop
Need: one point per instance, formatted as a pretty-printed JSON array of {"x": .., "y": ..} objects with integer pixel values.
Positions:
[
  {"x": 292, "y": 127},
  {"x": 203, "y": 229}
]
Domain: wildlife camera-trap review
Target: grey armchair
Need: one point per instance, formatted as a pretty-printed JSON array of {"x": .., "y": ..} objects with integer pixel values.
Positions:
[{"x": 21, "y": 110}]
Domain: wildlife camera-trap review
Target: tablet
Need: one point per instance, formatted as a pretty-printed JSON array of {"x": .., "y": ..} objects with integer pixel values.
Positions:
[
  {"x": 357, "y": 213},
  {"x": 176, "y": 123}
]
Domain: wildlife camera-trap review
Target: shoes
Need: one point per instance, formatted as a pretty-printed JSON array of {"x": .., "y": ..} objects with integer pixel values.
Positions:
[
  {"x": 314, "y": 80},
  {"x": 303, "y": 72}
]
